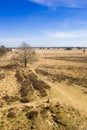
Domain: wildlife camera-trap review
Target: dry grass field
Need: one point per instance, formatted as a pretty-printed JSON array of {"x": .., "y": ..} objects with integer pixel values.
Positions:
[{"x": 49, "y": 94}]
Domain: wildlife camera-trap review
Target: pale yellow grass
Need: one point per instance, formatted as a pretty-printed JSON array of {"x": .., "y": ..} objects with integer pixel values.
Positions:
[{"x": 8, "y": 85}]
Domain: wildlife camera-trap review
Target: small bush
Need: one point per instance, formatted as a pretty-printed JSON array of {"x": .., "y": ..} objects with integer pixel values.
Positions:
[
  {"x": 24, "y": 100},
  {"x": 11, "y": 114},
  {"x": 1, "y": 104},
  {"x": 10, "y": 98},
  {"x": 31, "y": 115},
  {"x": 2, "y": 76},
  {"x": 27, "y": 108}
]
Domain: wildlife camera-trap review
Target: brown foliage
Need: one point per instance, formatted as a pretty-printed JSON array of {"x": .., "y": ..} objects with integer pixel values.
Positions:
[
  {"x": 2, "y": 76},
  {"x": 31, "y": 115},
  {"x": 43, "y": 72},
  {"x": 26, "y": 87},
  {"x": 71, "y": 80},
  {"x": 9, "y": 66},
  {"x": 24, "y": 100},
  {"x": 39, "y": 84},
  {"x": 10, "y": 98},
  {"x": 11, "y": 114}
]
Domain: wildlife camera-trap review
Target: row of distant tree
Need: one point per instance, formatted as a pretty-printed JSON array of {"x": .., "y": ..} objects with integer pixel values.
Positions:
[
  {"x": 26, "y": 54},
  {"x": 65, "y": 48}
]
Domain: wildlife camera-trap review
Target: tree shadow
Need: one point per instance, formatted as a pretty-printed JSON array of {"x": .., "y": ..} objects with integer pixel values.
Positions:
[{"x": 9, "y": 67}]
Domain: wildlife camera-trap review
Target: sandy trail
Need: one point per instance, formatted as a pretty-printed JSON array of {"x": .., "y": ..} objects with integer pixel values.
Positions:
[{"x": 68, "y": 95}]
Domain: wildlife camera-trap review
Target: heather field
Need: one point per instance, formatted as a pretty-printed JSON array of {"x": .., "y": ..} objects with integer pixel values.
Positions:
[{"x": 49, "y": 94}]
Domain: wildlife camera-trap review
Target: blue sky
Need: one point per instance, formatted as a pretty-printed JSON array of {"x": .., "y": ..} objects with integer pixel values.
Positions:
[{"x": 43, "y": 22}]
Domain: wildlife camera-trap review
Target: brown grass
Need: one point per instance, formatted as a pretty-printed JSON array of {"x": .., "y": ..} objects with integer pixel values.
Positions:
[{"x": 64, "y": 107}]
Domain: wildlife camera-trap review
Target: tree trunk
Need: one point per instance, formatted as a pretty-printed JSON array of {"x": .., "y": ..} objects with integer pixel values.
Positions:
[{"x": 25, "y": 64}]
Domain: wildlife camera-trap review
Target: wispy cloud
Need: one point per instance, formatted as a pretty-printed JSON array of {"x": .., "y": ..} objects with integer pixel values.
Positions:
[
  {"x": 67, "y": 34},
  {"x": 62, "y": 3}
]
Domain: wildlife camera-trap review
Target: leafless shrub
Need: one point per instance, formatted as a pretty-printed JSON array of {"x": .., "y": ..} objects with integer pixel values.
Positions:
[
  {"x": 31, "y": 115},
  {"x": 39, "y": 84},
  {"x": 1, "y": 104},
  {"x": 2, "y": 76},
  {"x": 24, "y": 100},
  {"x": 11, "y": 114},
  {"x": 10, "y": 98}
]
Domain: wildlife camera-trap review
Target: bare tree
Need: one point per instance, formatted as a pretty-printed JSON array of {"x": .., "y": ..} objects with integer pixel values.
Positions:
[{"x": 26, "y": 54}]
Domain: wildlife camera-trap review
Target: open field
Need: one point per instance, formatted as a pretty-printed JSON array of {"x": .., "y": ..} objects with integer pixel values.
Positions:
[{"x": 49, "y": 94}]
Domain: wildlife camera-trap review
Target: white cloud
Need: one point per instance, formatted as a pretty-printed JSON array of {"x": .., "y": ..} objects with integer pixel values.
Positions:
[
  {"x": 67, "y": 34},
  {"x": 74, "y": 38},
  {"x": 63, "y": 3}
]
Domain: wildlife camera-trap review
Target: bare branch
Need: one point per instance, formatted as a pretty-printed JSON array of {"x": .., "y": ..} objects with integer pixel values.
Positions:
[{"x": 26, "y": 54}]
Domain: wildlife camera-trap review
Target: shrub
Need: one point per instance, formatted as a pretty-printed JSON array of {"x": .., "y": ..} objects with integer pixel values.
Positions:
[
  {"x": 11, "y": 114},
  {"x": 39, "y": 84},
  {"x": 26, "y": 88},
  {"x": 24, "y": 100},
  {"x": 31, "y": 115},
  {"x": 2, "y": 76},
  {"x": 1, "y": 104},
  {"x": 10, "y": 98},
  {"x": 68, "y": 48},
  {"x": 3, "y": 50}
]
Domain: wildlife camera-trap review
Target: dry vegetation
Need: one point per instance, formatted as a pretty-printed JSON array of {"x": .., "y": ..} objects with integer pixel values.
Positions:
[{"x": 50, "y": 94}]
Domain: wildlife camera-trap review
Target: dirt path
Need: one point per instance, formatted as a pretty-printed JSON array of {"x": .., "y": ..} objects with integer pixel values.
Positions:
[
  {"x": 33, "y": 104},
  {"x": 68, "y": 95}
]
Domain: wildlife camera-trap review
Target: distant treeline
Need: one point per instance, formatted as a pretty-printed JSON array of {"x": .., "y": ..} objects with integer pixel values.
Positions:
[{"x": 65, "y": 48}]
